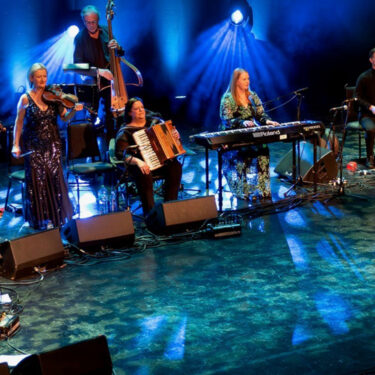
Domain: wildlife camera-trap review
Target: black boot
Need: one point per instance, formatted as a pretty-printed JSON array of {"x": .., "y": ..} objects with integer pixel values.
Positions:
[
  {"x": 370, "y": 138},
  {"x": 370, "y": 162}
]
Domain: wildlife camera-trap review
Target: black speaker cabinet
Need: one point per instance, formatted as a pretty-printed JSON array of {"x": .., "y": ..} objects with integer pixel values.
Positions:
[
  {"x": 90, "y": 357},
  {"x": 4, "y": 369},
  {"x": 112, "y": 230},
  {"x": 175, "y": 216},
  {"x": 326, "y": 164},
  {"x": 20, "y": 256}
]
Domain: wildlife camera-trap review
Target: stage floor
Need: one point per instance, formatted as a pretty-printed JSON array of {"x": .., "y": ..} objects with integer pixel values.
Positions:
[{"x": 294, "y": 294}]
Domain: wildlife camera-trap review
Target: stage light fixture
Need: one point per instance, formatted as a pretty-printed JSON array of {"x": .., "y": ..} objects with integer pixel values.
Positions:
[
  {"x": 73, "y": 31},
  {"x": 237, "y": 17}
]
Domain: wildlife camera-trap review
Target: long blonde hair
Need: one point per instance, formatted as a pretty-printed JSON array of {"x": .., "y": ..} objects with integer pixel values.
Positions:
[
  {"x": 33, "y": 68},
  {"x": 233, "y": 84}
]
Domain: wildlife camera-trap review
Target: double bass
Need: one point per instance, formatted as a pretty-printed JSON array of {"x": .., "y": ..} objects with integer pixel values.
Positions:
[{"x": 119, "y": 95}]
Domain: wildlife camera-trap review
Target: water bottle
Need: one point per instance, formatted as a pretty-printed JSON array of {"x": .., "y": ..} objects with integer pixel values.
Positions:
[
  {"x": 103, "y": 200},
  {"x": 113, "y": 201}
]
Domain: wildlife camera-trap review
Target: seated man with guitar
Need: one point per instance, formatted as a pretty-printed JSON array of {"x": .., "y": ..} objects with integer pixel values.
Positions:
[{"x": 131, "y": 152}]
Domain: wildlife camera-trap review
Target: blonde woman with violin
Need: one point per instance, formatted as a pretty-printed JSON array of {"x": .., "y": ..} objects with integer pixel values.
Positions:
[{"x": 46, "y": 201}]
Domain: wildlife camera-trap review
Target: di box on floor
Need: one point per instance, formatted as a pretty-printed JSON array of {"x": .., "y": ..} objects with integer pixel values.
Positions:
[
  {"x": 90, "y": 357},
  {"x": 112, "y": 230},
  {"x": 326, "y": 164},
  {"x": 20, "y": 256},
  {"x": 177, "y": 216}
]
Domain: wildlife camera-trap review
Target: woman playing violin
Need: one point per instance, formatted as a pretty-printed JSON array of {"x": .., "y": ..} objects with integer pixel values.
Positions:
[{"x": 46, "y": 201}]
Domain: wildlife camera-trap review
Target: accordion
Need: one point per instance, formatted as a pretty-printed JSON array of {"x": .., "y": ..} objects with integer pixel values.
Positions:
[{"x": 157, "y": 144}]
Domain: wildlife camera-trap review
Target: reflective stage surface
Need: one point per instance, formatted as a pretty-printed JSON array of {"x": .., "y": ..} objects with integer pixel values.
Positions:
[{"x": 292, "y": 295}]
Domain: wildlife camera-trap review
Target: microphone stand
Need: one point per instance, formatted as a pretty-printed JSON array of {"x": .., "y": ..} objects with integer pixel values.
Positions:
[
  {"x": 297, "y": 154},
  {"x": 335, "y": 110},
  {"x": 299, "y": 95},
  {"x": 296, "y": 159},
  {"x": 299, "y": 103},
  {"x": 341, "y": 184},
  {"x": 341, "y": 148},
  {"x": 296, "y": 93}
]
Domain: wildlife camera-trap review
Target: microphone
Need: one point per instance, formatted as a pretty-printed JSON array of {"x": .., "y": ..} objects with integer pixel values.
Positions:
[
  {"x": 341, "y": 108},
  {"x": 130, "y": 150},
  {"x": 350, "y": 100},
  {"x": 152, "y": 113},
  {"x": 300, "y": 90}
]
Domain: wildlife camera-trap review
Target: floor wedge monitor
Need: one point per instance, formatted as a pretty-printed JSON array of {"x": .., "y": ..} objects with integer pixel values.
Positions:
[
  {"x": 90, "y": 357},
  {"x": 19, "y": 257},
  {"x": 175, "y": 216},
  {"x": 326, "y": 164},
  {"x": 111, "y": 230}
]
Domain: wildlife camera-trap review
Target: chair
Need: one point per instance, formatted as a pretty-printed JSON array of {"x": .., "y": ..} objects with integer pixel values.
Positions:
[
  {"x": 124, "y": 178},
  {"x": 112, "y": 155},
  {"x": 121, "y": 174},
  {"x": 353, "y": 124},
  {"x": 82, "y": 144},
  {"x": 183, "y": 190},
  {"x": 16, "y": 172}
]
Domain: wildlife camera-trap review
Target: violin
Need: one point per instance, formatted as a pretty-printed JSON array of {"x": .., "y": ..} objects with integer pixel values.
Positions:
[{"x": 55, "y": 94}]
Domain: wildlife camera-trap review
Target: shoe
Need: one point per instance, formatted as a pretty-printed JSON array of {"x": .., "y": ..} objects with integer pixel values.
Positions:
[
  {"x": 370, "y": 163},
  {"x": 266, "y": 198}
]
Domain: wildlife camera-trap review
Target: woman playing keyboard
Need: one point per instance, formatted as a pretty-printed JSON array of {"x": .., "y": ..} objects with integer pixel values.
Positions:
[{"x": 241, "y": 107}]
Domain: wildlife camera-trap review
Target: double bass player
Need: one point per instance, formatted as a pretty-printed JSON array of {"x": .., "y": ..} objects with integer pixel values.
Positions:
[{"x": 93, "y": 46}]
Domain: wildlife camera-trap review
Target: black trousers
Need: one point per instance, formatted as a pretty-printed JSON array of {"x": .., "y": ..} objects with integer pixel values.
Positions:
[
  {"x": 369, "y": 125},
  {"x": 106, "y": 116},
  {"x": 171, "y": 172}
]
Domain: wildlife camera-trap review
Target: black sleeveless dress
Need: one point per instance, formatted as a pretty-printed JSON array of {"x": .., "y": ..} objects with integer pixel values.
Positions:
[{"x": 46, "y": 197}]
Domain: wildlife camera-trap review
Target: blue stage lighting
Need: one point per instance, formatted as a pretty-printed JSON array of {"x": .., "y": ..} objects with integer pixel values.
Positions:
[
  {"x": 237, "y": 17},
  {"x": 73, "y": 31}
]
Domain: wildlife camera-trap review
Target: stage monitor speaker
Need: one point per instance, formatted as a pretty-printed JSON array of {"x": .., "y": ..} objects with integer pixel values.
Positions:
[
  {"x": 4, "y": 369},
  {"x": 20, "y": 256},
  {"x": 90, "y": 357},
  {"x": 175, "y": 216},
  {"x": 326, "y": 164},
  {"x": 111, "y": 230}
]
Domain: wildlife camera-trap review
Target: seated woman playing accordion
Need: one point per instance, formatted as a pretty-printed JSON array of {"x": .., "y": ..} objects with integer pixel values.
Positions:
[{"x": 126, "y": 149}]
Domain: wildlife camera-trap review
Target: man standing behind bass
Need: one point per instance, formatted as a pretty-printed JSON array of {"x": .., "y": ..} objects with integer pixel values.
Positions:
[
  {"x": 365, "y": 92},
  {"x": 92, "y": 46}
]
